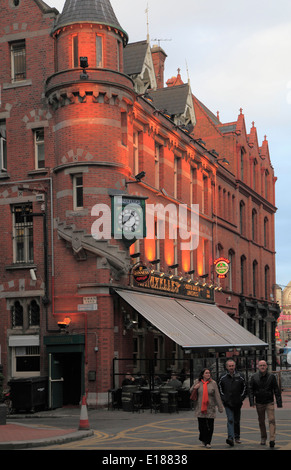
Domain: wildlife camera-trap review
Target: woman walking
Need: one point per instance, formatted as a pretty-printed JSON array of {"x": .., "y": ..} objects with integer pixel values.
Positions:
[{"x": 208, "y": 398}]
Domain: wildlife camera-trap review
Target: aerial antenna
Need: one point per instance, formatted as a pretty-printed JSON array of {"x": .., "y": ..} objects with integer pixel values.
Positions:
[{"x": 159, "y": 40}]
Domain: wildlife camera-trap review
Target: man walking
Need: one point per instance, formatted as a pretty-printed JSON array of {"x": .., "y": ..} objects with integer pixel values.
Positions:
[
  {"x": 263, "y": 387},
  {"x": 233, "y": 390}
]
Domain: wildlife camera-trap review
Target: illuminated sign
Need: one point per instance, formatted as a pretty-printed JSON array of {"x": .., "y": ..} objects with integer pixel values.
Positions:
[
  {"x": 221, "y": 267},
  {"x": 141, "y": 273}
]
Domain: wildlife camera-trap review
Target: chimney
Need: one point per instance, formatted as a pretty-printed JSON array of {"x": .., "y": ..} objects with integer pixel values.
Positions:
[{"x": 159, "y": 57}]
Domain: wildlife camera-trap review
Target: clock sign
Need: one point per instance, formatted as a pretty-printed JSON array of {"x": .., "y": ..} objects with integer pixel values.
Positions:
[{"x": 128, "y": 217}]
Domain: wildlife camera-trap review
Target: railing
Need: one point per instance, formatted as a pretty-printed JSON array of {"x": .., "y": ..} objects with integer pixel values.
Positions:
[{"x": 190, "y": 368}]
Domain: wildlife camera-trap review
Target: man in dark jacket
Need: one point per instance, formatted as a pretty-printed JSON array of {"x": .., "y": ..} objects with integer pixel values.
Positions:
[
  {"x": 263, "y": 387},
  {"x": 233, "y": 390}
]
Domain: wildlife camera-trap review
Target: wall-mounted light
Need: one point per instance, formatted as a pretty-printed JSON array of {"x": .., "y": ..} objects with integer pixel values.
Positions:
[
  {"x": 84, "y": 65},
  {"x": 135, "y": 255},
  {"x": 155, "y": 261},
  {"x": 138, "y": 178},
  {"x": 223, "y": 160},
  {"x": 32, "y": 274},
  {"x": 63, "y": 325},
  {"x": 173, "y": 266}
]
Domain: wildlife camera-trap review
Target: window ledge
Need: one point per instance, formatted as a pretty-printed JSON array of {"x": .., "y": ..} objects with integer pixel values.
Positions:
[
  {"x": 40, "y": 171},
  {"x": 21, "y": 83},
  {"x": 4, "y": 175},
  {"x": 15, "y": 266}
]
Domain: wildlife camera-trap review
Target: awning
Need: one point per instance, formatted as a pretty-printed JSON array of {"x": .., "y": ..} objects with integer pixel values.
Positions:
[{"x": 191, "y": 324}]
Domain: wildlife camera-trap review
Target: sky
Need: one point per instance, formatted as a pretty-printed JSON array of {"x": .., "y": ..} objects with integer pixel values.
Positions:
[{"x": 236, "y": 55}]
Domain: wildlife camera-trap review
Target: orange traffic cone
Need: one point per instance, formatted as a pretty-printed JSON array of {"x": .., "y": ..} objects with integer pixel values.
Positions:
[{"x": 84, "y": 422}]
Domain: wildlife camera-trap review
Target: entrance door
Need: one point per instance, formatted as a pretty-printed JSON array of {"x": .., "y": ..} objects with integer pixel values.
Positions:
[
  {"x": 55, "y": 382},
  {"x": 65, "y": 379}
]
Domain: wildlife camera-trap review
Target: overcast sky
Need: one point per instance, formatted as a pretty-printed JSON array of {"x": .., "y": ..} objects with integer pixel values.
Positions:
[{"x": 238, "y": 55}]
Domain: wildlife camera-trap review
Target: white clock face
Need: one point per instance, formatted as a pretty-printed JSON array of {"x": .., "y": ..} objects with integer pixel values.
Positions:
[{"x": 129, "y": 220}]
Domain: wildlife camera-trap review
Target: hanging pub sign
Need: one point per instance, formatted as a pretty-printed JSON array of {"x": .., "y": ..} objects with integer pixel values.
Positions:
[
  {"x": 140, "y": 273},
  {"x": 221, "y": 267}
]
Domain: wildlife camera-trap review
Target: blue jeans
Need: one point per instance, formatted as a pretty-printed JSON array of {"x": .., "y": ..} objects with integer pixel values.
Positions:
[{"x": 233, "y": 422}]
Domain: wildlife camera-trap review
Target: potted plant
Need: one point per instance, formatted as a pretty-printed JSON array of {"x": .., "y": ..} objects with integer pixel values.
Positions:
[{"x": 3, "y": 407}]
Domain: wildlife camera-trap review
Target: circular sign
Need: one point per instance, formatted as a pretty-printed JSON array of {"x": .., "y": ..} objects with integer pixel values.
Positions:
[
  {"x": 221, "y": 267},
  {"x": 141, "y": 273}
]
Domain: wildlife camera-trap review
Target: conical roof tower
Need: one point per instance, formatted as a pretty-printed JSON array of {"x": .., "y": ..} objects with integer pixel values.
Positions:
[{"x": 89, "y": 11}]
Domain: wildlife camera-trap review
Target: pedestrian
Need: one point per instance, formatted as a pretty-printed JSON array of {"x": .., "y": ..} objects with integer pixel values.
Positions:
[
  {"x": 233, "y": 390},
  {"x": 263, "y": 388},
  {"x": 208, "y": 399}
]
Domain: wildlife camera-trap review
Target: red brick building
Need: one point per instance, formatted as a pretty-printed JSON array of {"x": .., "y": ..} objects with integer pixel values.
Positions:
[{"x": 96, "y": 150}]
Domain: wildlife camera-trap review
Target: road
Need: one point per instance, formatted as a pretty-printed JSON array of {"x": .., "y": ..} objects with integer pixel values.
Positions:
[{"x": 120, "y": 431}]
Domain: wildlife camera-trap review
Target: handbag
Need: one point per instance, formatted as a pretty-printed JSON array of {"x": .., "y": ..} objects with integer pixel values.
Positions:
[{"x": 194, "y": 394}]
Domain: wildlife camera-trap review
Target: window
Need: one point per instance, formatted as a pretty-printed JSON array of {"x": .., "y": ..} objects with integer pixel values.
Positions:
[
  {"x": 242, "y": 273},
  {"x": 267, "y": 281},
  {"x": 242, "y": 165},
  {"x": 266, "y": 232},
  {"x": 124, "y": 128},
  {"x": 17, "y": 315},
  {"x": 266, "y": 183},
  {"x": 78, "y": 191},
  {"x": 39, "y": 148},
  {"x": 118, "y": 52},
  {"x": 26, "y": 359},
  {"x": 231, "y": 272},
  {"x": 177, "y": 177},
  {"x": 22, "y": 233},
  {"x": 18, "y": 61},
  {"x": 75, "y": 50},
  {"x": 25, "y": 314},
  {"x": 33, "y": 314},
  {"x": 3, "y": 148},
  {"x": 255, "y": 175},
  {"x": 135, "y": 153},
  {"x": 205, "y": 195},
  {"x": 99, "y": 51},
  {"x": 242, "y": 217},
  {"x": 157, "y": 165},
  {"x": 255, "y": 280},
  {"x": 254, "y": 225}
]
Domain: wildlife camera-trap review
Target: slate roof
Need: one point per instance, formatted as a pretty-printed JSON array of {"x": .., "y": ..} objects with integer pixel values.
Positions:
[
  {"x": 173, "y": 99},
  {"x": 134, "y": 57},
  {"x": 88, "y": 11}
]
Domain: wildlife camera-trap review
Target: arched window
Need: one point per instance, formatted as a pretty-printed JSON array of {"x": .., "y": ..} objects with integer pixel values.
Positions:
[
  {"x": 17, "y": 314},
  {"x": 266, "y": 232},
  {"x": 231, "y": 272},
  {"x": 242, "y": 217},
  {"x": 254, "y": 225},
  {"x": 255, "y": 277},
  {"x": 243, "y": 273},
  {"x": 33, "y": 313},
  {"x": 267, "y": 281}
]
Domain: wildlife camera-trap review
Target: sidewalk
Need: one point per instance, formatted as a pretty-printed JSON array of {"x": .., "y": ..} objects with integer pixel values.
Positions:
[{"x": 23, "y": 436}]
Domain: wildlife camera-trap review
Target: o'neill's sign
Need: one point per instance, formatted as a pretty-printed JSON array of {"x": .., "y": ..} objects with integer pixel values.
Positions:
[{"x": 221, "y": 267}]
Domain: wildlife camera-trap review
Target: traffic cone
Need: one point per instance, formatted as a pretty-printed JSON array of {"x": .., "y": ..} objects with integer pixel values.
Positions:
[{"x": 84, "y": 422}]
